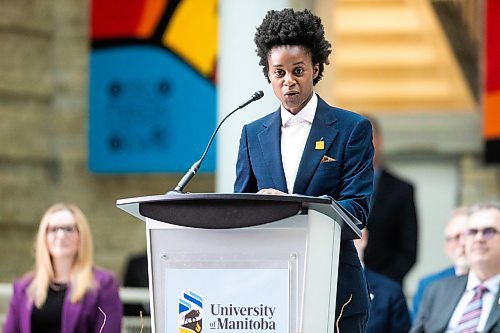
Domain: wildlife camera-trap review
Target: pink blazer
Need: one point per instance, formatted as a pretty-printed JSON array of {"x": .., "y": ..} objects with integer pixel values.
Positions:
[{"x": 81, "y": 317}]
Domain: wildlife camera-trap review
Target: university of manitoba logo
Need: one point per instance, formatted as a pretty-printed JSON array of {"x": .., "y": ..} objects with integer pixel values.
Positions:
[{"x": 190, "y": 313}]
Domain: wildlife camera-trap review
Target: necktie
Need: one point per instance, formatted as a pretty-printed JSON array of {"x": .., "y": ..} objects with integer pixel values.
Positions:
[{"x": 470, "y": 319}]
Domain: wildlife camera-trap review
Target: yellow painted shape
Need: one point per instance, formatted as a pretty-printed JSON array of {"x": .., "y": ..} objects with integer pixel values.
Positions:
[
  {"x": 192, "y": 34},
  {"x": 153, "y": 9}
]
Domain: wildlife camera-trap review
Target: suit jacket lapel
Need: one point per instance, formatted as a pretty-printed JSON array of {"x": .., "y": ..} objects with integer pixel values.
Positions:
[
  {"x": 70, "y": 313},
  {"x": 270, "y": 143},
  {"x": 494, "y": 317},
  {"x": 322, "y": 129},
  {"x": 449, "y": 303}
]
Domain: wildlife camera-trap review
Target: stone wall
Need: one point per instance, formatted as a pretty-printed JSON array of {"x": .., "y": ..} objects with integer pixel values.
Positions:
[
  {"x": 44, "y": 49},
  {"x": 480, "y": 182}
]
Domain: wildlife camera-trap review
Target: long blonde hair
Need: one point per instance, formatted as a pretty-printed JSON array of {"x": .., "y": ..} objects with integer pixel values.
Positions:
[{"x": 81, "y": 279}]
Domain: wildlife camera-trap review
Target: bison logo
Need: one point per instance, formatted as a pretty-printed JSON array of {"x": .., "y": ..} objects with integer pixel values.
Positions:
[{"x": 190, "y": 313}]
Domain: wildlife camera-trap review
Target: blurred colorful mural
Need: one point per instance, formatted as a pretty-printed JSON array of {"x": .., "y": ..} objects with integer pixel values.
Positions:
[{"x": 152, "y": 85}]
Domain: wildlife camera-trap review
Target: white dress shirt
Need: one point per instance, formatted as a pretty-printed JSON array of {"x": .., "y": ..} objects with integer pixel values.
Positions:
[
  {"x": 294, "y": 132},
  {"x": 488, "y": 301}
]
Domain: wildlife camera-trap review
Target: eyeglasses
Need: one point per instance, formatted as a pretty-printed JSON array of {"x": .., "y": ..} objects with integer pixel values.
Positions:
[
  {"x": 68, "y": 229},
  {"x": 488, "y": 233}
]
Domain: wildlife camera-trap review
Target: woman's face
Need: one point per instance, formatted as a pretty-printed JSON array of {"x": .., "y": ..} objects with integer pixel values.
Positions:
[
  {"x": 292, "y": 72},
  {"x": 62, "y": 235}
]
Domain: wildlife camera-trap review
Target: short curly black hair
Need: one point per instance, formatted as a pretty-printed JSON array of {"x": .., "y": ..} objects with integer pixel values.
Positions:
[{"x": 289, "y": 27}]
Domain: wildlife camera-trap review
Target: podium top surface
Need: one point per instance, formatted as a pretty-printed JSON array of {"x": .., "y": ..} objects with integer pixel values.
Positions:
[
  {"x": 234, "y": 210},
  {"x": 173, "y": 196}
]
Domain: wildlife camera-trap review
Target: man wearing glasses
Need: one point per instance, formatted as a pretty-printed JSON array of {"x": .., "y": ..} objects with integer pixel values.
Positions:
[
  {"x": 454, "y": 249},
  {"x": 468, "y": 303}
]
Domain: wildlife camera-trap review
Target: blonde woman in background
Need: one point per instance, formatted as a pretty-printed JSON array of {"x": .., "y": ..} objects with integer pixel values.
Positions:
[{"x": 65, "y": 292}]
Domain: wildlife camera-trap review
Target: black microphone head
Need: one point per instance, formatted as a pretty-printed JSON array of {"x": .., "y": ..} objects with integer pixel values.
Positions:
[{"x": 257, "y": 95}]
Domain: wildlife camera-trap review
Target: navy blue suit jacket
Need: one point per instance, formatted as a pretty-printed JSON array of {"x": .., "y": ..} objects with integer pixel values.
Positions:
[
  {"x": 347, "y": 138},
  {"x": 388, "y": 311}
]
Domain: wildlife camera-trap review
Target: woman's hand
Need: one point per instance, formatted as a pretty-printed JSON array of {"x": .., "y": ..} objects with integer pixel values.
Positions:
[{"x": 271, "y": 191}]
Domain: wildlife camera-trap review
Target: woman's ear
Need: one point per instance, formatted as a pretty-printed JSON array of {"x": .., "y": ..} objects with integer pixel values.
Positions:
[{"x": 315, "y": 71}]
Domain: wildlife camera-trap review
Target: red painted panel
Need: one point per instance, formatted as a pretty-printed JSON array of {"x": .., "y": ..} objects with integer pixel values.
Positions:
[
  {"x": 492, "y": 45},
  {"x": 115, "y": 18}
]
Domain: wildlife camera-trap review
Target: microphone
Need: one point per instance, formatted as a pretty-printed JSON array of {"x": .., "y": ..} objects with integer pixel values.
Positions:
[
  {"x": 196, "y": 165},
  {"x": 256, "y": 96}
]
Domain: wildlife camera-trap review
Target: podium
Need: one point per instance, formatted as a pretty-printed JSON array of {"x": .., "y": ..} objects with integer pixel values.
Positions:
[{"x": 242, "y": 262}]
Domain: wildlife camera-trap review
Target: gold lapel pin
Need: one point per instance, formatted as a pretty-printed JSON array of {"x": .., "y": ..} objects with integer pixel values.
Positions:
[{"x": 320, "y": 144}]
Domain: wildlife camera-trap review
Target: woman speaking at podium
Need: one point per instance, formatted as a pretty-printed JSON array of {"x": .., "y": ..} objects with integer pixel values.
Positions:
[{"x": 307, "y": 146}]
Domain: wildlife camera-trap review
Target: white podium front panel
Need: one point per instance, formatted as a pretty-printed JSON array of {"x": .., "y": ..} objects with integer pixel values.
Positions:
[{"x": 235, "y": 268}]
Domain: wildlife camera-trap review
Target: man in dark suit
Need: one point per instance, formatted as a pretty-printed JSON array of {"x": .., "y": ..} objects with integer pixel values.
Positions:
[
  {"x": 388, "y": 310},
  {"x": 468, "y": 303},
  {"x": 392, "y": 248},
  {"x": 308, "y": 147}
]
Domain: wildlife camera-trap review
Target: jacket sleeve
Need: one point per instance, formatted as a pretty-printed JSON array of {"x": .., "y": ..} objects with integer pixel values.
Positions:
[
  {"x": 245, "y": 178},
  {"x": 417, "y": 298},
  {"x": 357, "y": 178},
  {"x": 12, "y": 322},
  {"x": 400, "y": 316},
  {"x": 110, "y": 303}
]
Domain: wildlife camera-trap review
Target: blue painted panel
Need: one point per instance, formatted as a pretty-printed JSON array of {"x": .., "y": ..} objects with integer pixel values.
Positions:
[{"x": 149, "y": 112}]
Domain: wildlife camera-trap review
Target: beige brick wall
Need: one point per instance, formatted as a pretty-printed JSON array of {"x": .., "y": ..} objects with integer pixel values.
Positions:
[
  {"x": 44, "y": 49},
  {"x": 480, "y": 182}
]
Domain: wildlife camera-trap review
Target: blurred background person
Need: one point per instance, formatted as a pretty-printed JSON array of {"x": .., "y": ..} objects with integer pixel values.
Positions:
[
  {"x": 388, "y": 309},
  {"x": 136, "y": 276},
  {"x": 468, "y": 303},
  {"x": 454, "y": 249},
  {"x": 392, "y": 222},
  {"x": 65, "y": 292}
]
